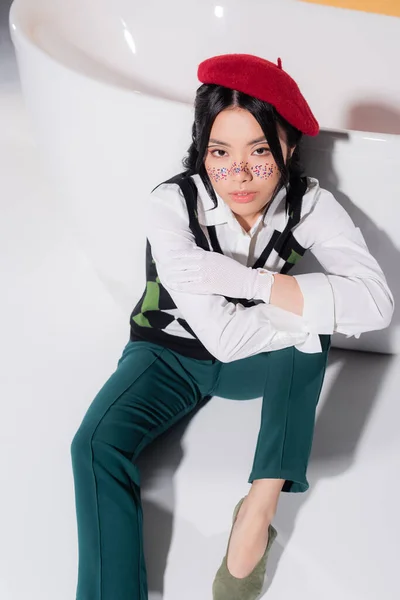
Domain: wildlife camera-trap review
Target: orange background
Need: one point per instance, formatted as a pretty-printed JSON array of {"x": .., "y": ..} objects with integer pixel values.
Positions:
[{"x": 384, "y": 7}]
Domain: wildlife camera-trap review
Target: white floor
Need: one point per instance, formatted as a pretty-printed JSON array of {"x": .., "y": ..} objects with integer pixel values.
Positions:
[{"x": 62, "y": 334}]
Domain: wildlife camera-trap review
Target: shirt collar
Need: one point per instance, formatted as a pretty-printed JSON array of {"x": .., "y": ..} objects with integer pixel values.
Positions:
[
  {"x": 207, "y": 214},
  {"x": 210, "y": 215}
]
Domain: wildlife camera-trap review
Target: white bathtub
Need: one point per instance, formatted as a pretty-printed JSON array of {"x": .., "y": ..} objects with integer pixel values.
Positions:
[{"x": 110, "y": 83}]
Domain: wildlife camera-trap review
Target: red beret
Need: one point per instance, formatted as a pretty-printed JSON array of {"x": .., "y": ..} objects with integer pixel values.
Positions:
[{"x": 264, "y": 80}]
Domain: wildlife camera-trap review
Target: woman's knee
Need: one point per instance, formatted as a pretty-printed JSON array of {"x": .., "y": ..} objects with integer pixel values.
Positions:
[{"x": 85, "y": 451}]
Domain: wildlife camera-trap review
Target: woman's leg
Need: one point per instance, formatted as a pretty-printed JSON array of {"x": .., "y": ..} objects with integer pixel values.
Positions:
[
  {"x": 290, "y": 397},
  {"x": 291, "y": 383},
  {"x": 148, "y": 393}
]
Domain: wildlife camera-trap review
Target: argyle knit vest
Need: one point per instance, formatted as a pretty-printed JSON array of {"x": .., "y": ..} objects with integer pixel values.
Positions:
[{"x": 155, "y": 312}]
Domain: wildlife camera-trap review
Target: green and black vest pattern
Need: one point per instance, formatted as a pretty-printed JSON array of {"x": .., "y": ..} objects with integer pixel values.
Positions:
[{"x": 156, "y": 310}]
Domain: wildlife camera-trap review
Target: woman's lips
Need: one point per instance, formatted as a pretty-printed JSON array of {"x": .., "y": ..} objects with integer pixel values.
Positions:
[{"x": 243, "y": 198}]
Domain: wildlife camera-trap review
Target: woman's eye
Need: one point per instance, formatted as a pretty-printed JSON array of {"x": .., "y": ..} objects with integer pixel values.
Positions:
[
  {"x": 213, "y": 151},
  {"x": 267, "y": 151}
]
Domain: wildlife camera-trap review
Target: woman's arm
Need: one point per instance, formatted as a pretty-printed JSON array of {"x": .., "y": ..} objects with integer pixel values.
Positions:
[
  {"x": 352, "y": 296},
  {"x": 229, "y": 331},
  {"x": 286, "y": 293}
]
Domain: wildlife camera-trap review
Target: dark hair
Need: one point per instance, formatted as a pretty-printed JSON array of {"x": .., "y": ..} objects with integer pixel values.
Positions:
[{"x": 210, "y": 100}]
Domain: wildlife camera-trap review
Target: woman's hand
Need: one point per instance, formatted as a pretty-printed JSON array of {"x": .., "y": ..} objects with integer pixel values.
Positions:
[{"x": 203, "y": 272}]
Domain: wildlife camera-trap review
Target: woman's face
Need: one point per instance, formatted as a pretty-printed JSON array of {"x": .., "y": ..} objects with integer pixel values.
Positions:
[{"x": 239, "y": 159}]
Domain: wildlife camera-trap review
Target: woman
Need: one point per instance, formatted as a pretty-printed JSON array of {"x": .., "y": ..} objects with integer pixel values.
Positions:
[{"x": 220, "y": 313}]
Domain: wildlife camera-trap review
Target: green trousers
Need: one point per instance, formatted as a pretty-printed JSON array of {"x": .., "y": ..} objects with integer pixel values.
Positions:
[{"x": 151, "y": 389}]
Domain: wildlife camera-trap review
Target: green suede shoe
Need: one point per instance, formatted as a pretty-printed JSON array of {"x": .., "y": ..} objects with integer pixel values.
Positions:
[{"x": 228, "y": 587}]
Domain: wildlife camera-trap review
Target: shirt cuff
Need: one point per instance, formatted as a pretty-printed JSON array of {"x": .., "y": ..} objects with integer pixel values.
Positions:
[
  {"x": 319, "y": 305},
  {"x": 312, "y": 345}
]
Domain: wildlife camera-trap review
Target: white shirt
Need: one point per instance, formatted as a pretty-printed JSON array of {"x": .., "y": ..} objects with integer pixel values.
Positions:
[{"x": 350, "y": 298}]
